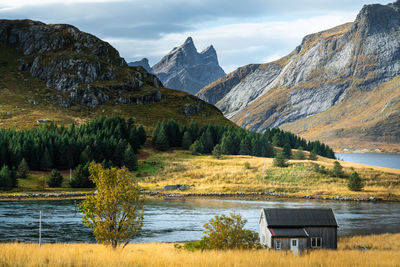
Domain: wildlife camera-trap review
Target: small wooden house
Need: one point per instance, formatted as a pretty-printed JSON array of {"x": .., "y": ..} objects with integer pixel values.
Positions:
[{"x": 298, "y": 229}]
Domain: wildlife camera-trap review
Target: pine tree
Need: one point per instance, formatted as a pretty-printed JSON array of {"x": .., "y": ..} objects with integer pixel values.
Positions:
[
  {"x": 287, "y": 151},
  {"x": 142, "y": 135},
  {"x": 197, "y": 148},
  {"x": 55, "y": 179},
  {"x": 244, "y": 147},
  {"x": 130, "y": 159},
  {"x": 80, "y": 177},
  {"x": 355, "y": 183},
  {"x": 46, "y": 162},
  {"x": 23, "y": 168},
  {"x": 162, "y": 143},
  {"x": 337, "y": 169},
  {"x": 5, "y": 178},
  {"x": 280, "y": 160},
  {"x": 13, "y": 177},
  {"x": 217, "y": 151},
  {"x": 299, "y": 154},
  {"x": 187, "y": 140}
]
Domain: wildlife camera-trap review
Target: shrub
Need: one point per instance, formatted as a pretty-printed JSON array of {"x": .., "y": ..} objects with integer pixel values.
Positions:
[
  {"x": 23, "y": 169},
  {"x": 299, "y": 154},
  {"x": 355, "y": 183},
  {"x": 337, "y": 169},
  {"x": 217, "y": 151},
  {"x": 247, "y": 165},
  {"x": 55, "y": 179},
  {"x": 227, "y": 232},
  {"x": 312, "y": 156},
  {"x": 279, "y": 160}
]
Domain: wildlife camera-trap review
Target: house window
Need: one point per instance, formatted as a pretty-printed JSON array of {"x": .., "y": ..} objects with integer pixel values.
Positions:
[
  {"x": 278, "y": 245},
  {"x": 316, "y": 242}
]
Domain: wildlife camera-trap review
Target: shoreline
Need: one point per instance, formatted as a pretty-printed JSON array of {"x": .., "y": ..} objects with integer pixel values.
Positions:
[{"x": 239, "y": 195}]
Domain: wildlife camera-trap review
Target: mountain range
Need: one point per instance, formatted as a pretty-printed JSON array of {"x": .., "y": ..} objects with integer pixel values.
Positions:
[
  {"x": 340, "y": 85},
  {"x": 185, "y": 69},
  {"x": 55, "y": 72}
]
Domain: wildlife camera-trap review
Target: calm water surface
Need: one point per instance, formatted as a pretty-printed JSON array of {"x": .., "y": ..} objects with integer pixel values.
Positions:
[
  {"x": 375, "y": 159},
  {"x": 171, "y": 220}
]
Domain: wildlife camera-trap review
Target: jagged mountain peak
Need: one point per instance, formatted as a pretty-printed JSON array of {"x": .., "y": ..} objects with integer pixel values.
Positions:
[
  {"x": 186, "y": 69},
  {"x": 144, "y": 62}
]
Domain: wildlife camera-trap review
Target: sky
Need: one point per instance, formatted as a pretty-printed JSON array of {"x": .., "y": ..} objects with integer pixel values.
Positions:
[{"x": 242, "y": 32}]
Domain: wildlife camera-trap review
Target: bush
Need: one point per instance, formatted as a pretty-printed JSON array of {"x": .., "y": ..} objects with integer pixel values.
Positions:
[
  {"x": 227, "y": 232},
  {"x": 337, "y": 169},
  {"x": 55, "y": 179},
  {"x": 247, "y": 165},
  {"x": 355, "y": 183},
  {"x": 279, "y": 160},
  {"x": 217, "y": 151},
  {"x": 312, "y": 156},
  {"x": 299, "y": 154}
]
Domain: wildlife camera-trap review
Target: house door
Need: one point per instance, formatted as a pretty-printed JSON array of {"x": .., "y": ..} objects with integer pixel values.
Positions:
[{"x": 294, "y": 244}]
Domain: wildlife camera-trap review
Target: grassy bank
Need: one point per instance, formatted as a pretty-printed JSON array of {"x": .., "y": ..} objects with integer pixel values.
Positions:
[
  {"x": 245, "y": 174},
  {"x": 375, "y": 250},
  {"x": 232, "y": 174}
]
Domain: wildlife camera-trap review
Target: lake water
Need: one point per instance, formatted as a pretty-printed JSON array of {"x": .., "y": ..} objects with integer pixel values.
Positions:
[
  {"x": 375, "y": 159},
  {"x": 171, "y": 220}
]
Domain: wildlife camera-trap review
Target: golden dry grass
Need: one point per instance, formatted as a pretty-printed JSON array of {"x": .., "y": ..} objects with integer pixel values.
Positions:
[
  {"x": 354, "y": 251},
  {"x": 207, "y": 174}
]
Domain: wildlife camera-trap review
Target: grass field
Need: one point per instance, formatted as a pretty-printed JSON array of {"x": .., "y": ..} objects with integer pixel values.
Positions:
[
  {"x": 232, "y": 174},
  {"x": 375, "y": 250}
]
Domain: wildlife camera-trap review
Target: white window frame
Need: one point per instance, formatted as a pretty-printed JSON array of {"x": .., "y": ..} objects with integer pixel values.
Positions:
[
  {"x": 278, "y": 244},
  {"x": 314, "y": 242}
]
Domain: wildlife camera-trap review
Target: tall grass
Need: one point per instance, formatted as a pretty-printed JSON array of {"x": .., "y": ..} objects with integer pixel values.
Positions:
[{"x": 352, "y": 252}]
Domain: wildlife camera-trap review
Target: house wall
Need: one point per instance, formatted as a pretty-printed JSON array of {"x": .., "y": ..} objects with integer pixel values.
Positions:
[
  {"x": 285, "y": 242},
  {"x": 328, "y": 234},
  {"x": 265, "y": 235}
]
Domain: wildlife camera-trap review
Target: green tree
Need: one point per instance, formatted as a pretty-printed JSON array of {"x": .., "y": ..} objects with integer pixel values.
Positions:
[
  {"x": 280, "y": 160},
  {"x": 244, "y": 147},
  {"x": 287, "y": 151},
  {"x": 5, "y": 177},
  {"x": 197, "y": 148},
  {"x": 23, "y": 168},
  {"x": 162, "y": 143},
  {"x": 337, "y": 169},
  {"x": 80, "y": 177},
  {"x": 227, "y": 232},
  {"x": 312, "y": 156},
  {"x": 115, "y": 213},
  {"x": 187, "y": 140},
  {"x": 299, "y": 154},
  {"x": 142, "y": 135},
  {"x": 355, "y": 183},
  {"x": 217, "y": 151},
  {"x": 130, "y": 159},
  {"x": 55, "y": 179},
  {"x": 45, "y": 162}
]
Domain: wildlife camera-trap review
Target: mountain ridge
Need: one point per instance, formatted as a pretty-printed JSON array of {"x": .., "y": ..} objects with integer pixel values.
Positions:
[{"x": 328, "y": 68}]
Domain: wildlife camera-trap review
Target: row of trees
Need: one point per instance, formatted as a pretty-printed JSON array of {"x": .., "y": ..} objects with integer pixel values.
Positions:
[
  {"x": 231, "y": 140},
  {"x": 53, "y": 147}
]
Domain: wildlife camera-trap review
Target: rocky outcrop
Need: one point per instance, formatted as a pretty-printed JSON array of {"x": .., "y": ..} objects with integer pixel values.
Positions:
[
  {"x": 72, "y": 61},
  {"x": 142, "y": 63},
  {"x": 185, "y": 69},
  {"x": 329, "y": 68}
]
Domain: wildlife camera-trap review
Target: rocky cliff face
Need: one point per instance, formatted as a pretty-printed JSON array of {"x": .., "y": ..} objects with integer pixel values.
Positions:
[
  {"x": 87, "y": 68},
  {"x": 185, "y": 69},
  {"x": 144, "y": 62},
  {"x": 330, "y": 68}
]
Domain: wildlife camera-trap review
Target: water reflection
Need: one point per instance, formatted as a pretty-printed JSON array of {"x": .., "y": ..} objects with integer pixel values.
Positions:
[{"x": 170, "y": 220}]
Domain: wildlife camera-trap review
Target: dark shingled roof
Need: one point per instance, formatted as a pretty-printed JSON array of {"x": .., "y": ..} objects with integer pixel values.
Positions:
[
  {"x": 299, "y": 217},
  {"x": 288, "y": 232}
]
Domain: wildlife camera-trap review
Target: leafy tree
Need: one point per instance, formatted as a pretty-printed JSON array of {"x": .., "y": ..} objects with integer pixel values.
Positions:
[
  {"x": 299, "y": 154},
  {"x": 280, "y": 160},
  {"x": 115, "y": 213},
  {"x": 187, "y": 140},
  {"x": 217, "y": 151},
  {"x": 130, "y": 159},
  {"x": 287, "y": 151},
  {"x": 355, "y": 183},
  {"x": 23, "y": 169},
  {"x": 337, "y": 169},
  {"x": 227, "y": 232},
  {"x": 80, "y": 177},
  {"x": 55, "y": 179},
  {"x": 162, "y": 140}
]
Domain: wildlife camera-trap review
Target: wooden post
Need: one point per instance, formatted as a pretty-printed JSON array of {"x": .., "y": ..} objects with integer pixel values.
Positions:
[{"x": 40, "y": 229}]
